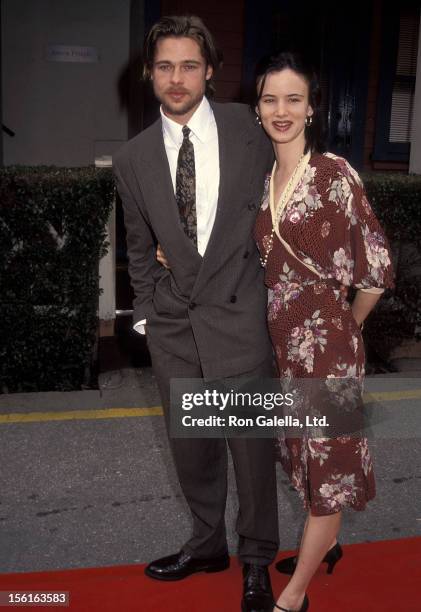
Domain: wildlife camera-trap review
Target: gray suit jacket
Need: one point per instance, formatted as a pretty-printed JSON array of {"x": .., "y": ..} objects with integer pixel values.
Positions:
[{"x": 212, "y": 307}]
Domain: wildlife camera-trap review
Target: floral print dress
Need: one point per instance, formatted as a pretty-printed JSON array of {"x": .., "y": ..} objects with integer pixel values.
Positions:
[{"x": 329, "y": 224}]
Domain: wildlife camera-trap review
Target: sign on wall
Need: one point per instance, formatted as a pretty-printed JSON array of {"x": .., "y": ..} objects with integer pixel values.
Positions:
[{"x": 72, "y": 53}]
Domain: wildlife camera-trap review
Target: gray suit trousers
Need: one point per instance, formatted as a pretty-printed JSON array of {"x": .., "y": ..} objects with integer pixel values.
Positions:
[{"x": 201, "y": 466}]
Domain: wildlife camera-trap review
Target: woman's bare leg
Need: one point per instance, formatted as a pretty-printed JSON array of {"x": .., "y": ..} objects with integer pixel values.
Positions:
[
  {"x": 319, "y": 536},
  {"x": 334, "y": 541}
]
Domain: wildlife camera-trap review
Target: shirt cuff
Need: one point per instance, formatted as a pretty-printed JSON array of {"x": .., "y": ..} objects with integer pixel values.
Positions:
[{"x": 140, "y": 327}]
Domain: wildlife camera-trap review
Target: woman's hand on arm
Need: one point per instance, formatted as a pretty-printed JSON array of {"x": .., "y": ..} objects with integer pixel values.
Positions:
[{"x": 160, "y": 255}]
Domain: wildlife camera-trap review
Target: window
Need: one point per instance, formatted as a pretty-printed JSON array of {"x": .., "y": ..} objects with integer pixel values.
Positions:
[
  {"x": 398, "y": 68},
  {"x": 404, "y": 85}
]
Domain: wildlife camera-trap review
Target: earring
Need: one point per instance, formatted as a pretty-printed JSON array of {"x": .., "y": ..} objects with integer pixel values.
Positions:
[
  {"x": 258, "y": 120},
  {"x": 309, "y": 120}
]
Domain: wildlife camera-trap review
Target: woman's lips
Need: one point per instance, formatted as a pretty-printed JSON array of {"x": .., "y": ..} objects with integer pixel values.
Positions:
[{"x": 282, "y": 126}]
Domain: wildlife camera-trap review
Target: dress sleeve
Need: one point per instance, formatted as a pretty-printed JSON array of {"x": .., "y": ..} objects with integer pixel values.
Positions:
[{"x": 359, "y": 252}]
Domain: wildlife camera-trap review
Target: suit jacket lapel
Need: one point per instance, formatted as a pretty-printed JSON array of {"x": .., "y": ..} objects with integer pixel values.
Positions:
[
  {"x": 234, "y": 142},
  {"x": 153, "y": 172}
]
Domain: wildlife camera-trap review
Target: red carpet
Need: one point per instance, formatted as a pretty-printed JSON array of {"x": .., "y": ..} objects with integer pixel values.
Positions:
[{"x": 377, "y": 577}]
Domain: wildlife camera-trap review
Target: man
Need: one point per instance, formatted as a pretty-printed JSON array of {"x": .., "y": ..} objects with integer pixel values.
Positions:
[{"x": 192, "y": 182}]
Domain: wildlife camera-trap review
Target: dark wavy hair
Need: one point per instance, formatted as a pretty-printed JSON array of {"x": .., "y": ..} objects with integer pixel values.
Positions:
[
  {"x": 188, "y": 26},
  {"x": 314, "y": 133}
]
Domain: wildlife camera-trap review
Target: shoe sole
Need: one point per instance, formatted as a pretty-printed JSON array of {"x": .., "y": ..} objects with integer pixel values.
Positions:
[
  {"x": 207, "y": 570},
  {"x": 245, "y": 607}
]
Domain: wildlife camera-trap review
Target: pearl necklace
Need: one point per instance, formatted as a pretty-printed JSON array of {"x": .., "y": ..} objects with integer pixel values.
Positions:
[{"x": 285, "y": 196}]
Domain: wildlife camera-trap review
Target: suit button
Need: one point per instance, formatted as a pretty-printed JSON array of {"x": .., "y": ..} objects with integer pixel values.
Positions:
[
  {"x": 192, "y": 305},
  {"x": 233, "y": 299},
  {"x": 252, "y": 206},
  {"x": 246, "y": 254}
]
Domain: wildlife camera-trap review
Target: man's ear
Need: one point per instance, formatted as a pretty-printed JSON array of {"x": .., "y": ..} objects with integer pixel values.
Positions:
[{"x": 209, "y": 72}]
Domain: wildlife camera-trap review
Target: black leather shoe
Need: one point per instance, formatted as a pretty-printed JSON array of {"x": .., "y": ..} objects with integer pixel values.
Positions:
[
  {"x": 257, "y": 590},
  {"x": 304, "y": 606},
  {"x": 335, "y": 554},
  {"x": 181, "y": 565}
]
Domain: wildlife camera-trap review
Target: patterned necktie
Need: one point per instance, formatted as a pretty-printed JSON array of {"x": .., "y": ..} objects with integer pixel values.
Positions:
[{"x": 185, "y": 187}]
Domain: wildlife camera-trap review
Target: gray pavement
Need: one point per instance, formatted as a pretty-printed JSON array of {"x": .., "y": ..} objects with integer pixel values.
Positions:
[{"x": 98, "y": 492}]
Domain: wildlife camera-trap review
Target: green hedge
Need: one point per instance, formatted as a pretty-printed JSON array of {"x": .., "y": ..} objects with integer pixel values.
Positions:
[
  {"x": 52, "y": 235},
  {"x": 396, "y": 199}
]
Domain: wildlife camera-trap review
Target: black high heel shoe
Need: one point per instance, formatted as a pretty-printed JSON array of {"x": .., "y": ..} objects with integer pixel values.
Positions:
[
  {"x": 304, "y": 607},
  {"x": 287, "y": 566}
]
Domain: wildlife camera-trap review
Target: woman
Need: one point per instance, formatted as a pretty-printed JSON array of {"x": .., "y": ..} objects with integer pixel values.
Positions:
[{"x": 316, "y": 234}]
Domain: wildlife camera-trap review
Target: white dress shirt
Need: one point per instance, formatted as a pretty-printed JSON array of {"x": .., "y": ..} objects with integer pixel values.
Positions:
[{"x": 204, "y": 136}]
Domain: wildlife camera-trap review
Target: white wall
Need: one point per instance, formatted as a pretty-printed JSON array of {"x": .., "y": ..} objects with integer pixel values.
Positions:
[
  {"x": 63, "y": 113},
  {"x": 415, "y": 156}
]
